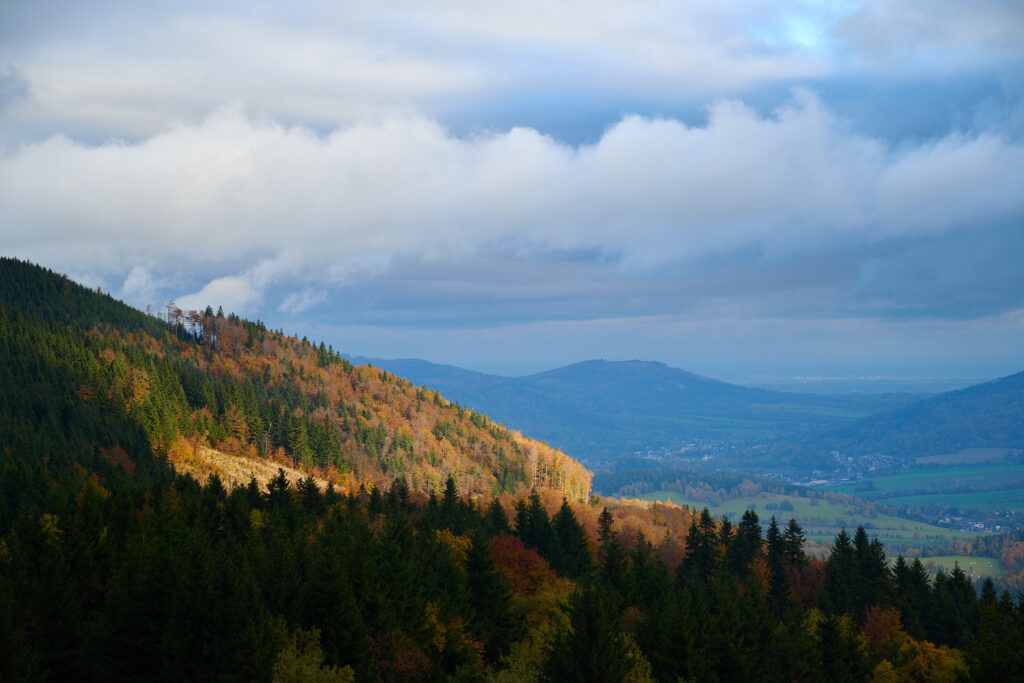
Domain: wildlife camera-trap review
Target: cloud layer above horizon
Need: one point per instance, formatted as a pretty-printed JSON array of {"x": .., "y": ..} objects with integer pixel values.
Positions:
[{"x": 358, "y": 173}]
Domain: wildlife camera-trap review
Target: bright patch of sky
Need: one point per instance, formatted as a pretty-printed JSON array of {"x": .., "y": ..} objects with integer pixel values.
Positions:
[{"x": 744, "y": 184}]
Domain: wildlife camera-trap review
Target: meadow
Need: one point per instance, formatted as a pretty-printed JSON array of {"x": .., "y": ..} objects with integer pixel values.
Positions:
[
  {"x": 822, "y": 519},
  {"x": 974, "y": 567},
  {"x": 970, "y": 456},
  {"x": 944, "y": 480},
  {"x": 1011, "y": 499}
]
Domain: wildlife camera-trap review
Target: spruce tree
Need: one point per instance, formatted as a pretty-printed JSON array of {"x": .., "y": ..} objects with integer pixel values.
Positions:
[
  {"x": 495, "y": 520},
  {"x": 701, "y": 558},
  {"x": 779, "y": 581},
  {"x": 872, "y": 579},
  {"x": 612, "y": 557},
  {"x": 793, "y": 544},
  {"x": 605, "y": 522},
  {"x": 574, "y": 550},
  {"x": 595, "y": 648},
  {"x": 491, "y": 599},
  {"x": 843, "y": 656},
  {"x": 840, "y": 573},
  {"x": 534, "y": 527},
  {"x": 746, "y": 545}
]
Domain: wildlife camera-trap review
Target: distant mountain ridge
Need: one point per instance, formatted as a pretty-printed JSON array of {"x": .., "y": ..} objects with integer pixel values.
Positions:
[
  {"x": 987, "y": 415},
  {"x": 599, "y": 410}
]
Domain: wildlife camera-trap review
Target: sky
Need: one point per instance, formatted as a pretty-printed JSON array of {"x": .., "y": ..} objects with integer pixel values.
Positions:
[{"x": 751, "y": 190}]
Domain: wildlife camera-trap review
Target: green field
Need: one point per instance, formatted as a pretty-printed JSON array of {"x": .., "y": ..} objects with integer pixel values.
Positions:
[
  {"x": 938, "y": 479},
  {"x": 970, "y": 456},
  {"x": 822, "y": 519},
  {"x": 979, "y": 487},
  {"x": 1012, "y": 499},
  {"x": 974, "y": 567}
]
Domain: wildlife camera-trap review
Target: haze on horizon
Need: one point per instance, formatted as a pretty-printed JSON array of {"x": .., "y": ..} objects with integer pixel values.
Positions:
[{"x": 742, "y": 189}]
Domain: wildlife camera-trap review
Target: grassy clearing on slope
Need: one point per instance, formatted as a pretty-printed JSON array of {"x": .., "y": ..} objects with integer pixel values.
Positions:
[{"x": 234, "y": 470}]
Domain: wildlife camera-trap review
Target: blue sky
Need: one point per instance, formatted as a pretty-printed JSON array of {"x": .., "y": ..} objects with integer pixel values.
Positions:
[{"x": 744, "y": 189}]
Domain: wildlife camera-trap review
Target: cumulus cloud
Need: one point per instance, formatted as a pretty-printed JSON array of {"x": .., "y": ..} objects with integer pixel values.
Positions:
[
  {"x": 297, "y": 302},
  {"x": 713, "y": 344},
  {"x": 250, "y": 204},
  {"x": 123, "y": 70},
  {"x": 234, "y": 293},
  {"x": 128, "y": 71},
  {"x": 910, "y": 36},
  {"x": 434, "y": 165},
  {"x": 140, "y": 285}
]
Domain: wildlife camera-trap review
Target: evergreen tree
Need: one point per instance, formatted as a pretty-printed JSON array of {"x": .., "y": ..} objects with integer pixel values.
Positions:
[
  {"x": 613, "y": 569},
  {"x": 776, "y": 551},
  {"x": 491, "y": 600},
  {"x": 595, "y": 648},
  {"x": 726, "y": 535},
  {"x": 840, "y": 574},
  {"x": 701, "y": 558},
  {"x": 279, "y": 491},
  {"x": 534, "y": 527},
  {"x": 954, "y": 616},
  {"x": 495, "y": 520},
  {"x": 398, "y": 496},
  {"x": 872, "y": 580},
  {"x": 996, "y": 651},
  {"x": 913, "y": 595},
  {"x": 605, "y": 522},
  {"x": 575, "y": 560},
  {"x": 522, "y": 522},
  {"x": 344, "y": 635},
  {"x": 747, "y": 544},
  {"x": 842, "y": 655},
  {"x": 310, "y": 496},
  {"x": 793, "y": 544},
  {"x": 649, "y": 577},
  {"x": 298, "y": 442}
]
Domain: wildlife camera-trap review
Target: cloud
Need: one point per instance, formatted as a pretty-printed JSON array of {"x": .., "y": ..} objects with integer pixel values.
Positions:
[
  {"x": 118, "y": 70},
  {"x": 715, "y": 344},
  {"x": 13, "y": 85},
  {"x": 297, "y": 302},
  {"x": 127, "y": 71},
  {"x": 140, "y": 286},
  {"x": 234, "y": 293},
  {"x": 282, "y": 206},
  {"x": 463, "y": 163},
  {"x": 947, "y": 34}
]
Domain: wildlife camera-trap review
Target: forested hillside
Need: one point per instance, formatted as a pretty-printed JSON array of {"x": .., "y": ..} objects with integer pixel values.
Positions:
[
  {"x": 107, "y": 579},
  {"x": 113, "y": 566},
  {"x": 988, "y": 415},
  {"x": 200, "y": 379}
]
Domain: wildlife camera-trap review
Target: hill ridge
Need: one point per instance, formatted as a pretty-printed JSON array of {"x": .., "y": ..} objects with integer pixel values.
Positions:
[
  {"x": 196, "y": 379},
  {"x": 984, "y": 415},
  {"x": 601, "y": 410}
]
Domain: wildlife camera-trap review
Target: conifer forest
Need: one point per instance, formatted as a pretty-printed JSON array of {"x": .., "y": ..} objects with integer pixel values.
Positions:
[{"x": 367, "y": 564}]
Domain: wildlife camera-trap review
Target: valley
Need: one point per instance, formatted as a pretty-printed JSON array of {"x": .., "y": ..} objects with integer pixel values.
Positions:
[
  {"x": 512, "y": 342},
  {"x": 242, "y": 464}
]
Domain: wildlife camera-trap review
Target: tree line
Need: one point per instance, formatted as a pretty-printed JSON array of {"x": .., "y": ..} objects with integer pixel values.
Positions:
[{"x": 114, "y": 566}]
